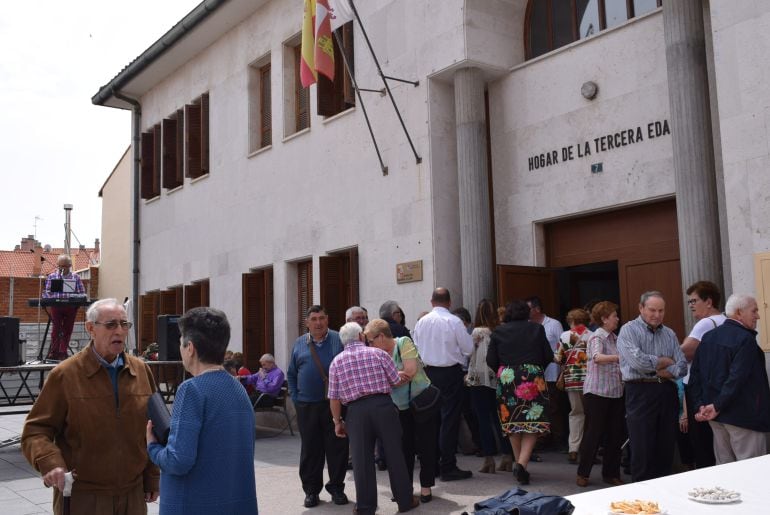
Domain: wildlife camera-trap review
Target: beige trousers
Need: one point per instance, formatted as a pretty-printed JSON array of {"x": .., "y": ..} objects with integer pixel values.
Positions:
[
  {"x": 733, "y": 443},
  {"x": 576, "y": 419}
]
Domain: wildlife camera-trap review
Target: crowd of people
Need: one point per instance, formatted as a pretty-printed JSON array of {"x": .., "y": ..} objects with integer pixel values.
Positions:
[{"x": 382, "y": 394}]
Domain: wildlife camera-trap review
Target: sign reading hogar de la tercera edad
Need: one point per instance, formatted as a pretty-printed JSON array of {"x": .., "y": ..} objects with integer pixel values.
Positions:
[{"x": 605, "y": 143}]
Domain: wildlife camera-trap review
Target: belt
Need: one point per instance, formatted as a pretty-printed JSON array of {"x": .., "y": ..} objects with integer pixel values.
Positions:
[
  {"x": 442, "y": 366},
  {"x": 647, "y": 380},
  {"x": 367, "y": 396}
]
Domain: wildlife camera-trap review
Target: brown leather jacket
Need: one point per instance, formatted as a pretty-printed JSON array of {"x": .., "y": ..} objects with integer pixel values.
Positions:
[{"x": 76, "y": 424}]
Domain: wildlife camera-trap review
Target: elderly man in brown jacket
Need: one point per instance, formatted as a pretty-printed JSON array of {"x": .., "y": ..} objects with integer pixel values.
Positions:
[{"x": 90, "y": 419}]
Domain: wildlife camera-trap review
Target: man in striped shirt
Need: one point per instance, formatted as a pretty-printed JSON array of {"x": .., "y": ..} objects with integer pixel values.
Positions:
[
  {"x": 650, "y": 363},
  {"x": 361, "y": 378}
]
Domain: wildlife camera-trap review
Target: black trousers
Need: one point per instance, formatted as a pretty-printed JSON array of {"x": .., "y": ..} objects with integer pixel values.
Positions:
[
  {"x": 450, "y": 381},
  {"x": 368, "y": 419},
  {"x": 604, "y": 422},
  {"x": 701, "y": 437},
  {"x": 316, "y": 430},
  {"x": 419, "y": 437},
  {"x": 652, "y": 411}
]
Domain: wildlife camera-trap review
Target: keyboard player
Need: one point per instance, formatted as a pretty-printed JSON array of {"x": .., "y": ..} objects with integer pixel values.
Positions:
[{"x": 62, "y": 317}]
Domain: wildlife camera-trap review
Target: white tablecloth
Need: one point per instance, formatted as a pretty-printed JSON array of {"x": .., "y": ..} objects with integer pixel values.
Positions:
[{"x": 749, "y": 477}]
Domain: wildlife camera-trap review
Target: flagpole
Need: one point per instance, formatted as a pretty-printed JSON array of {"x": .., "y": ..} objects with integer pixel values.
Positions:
[
  {"x": 418, "y": 159},
  {"x": 360, "y": 100}
]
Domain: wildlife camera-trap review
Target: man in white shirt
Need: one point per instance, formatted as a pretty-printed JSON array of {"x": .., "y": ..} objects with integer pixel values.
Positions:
[
  {"x": 444, "y": 346},
  {"x": 557, "y": 401}
]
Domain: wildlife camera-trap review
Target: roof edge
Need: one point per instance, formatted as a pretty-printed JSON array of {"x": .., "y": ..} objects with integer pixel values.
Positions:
[{"x": 149, "y": 56}]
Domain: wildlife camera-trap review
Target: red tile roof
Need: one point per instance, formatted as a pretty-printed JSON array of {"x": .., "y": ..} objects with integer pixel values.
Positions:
[{"x": 21, "y": 263}]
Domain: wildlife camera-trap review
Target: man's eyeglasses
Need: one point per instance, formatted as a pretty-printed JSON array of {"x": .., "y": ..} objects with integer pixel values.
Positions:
[
  {"x": 113, "y": 324},
  {"x": 691, "y": 302}
]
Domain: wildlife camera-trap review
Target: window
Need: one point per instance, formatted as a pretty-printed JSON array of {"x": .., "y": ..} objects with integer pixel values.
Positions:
[
  {"x": 257, "y": 290},
  {"x": 196, "y": 295},
  {"x": 196, "y": 131},
  {"x": 301, "y": 96},
  {"x": 551, "y": 24},
  {"x": 304, "y": 292},
  {"x": 296, "y": 99},
  {"x": 171, "y": 301},
  {"x": 149, "y": 308},
  {"x": 150, "y": 180},
  {"x": 338, "y": 95},
  {"x": 260, "y": 109},
  {"x": 339, "y": 284},
  {"x": 173, "y": 150}
]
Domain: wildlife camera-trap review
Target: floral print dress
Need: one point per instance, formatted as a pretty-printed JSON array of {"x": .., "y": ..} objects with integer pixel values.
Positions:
[{"x": 522, "y": 397}]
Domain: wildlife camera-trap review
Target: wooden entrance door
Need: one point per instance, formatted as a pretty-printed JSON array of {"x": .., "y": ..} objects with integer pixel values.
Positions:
[{"x": 520, "y": 282}]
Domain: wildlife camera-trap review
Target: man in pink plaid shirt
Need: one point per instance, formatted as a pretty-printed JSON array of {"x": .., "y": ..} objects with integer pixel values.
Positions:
[
  {"x": 361, "y": 378},
  {"x": 62, "y": 317}
]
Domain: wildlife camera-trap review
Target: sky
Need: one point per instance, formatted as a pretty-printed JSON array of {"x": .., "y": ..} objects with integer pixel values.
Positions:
[{"x": 56, "y": 147}]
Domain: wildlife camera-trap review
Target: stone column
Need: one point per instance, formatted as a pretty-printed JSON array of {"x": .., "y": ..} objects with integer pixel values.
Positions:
[
  {"x": 473, "y": 188},
  {"x": 694, "y": 170}
]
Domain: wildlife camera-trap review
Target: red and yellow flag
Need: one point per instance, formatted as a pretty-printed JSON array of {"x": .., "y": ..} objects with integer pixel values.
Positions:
[{"x": 317, "y": 52}]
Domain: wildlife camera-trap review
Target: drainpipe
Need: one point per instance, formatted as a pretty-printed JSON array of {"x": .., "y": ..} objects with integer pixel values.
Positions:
[{"x": 136, "y": 130}]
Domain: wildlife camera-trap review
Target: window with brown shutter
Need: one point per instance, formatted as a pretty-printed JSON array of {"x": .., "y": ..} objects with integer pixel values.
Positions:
[
  {"x": 339, "y": 284},
  {"x": 171, "y": 176},
  {"x": 257, "y": 290},
  {"x": 338, "y": 95},
  {"x": 169, "y": 303},
  {"x": 265, "y": 109},
  {"x": 196, "y": 132},
  {"x": 149, "y": 306},
  {"x": 192, "y": 296},
  {"x": 304, "y": 292},
  {"x": 150, "y": 179},
  {"x": 260, "y": 104},
  {"x": 301, "y": 96}
]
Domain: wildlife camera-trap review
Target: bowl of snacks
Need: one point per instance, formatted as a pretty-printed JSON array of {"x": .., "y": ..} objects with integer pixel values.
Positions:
[
  {"x": 636, "y": 507},
  {"x": 713, "y": 495}
]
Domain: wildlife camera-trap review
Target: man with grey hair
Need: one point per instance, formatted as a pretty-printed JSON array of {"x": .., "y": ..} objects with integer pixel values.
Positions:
[
  {"x": 356, "y": 314},
  {"x": 650, "y": 363},
  {"x": 729, "y": 383},
  {"x": 62, "y": 316},
  {"x": 361, "y": 378},
  {"x": 91, "y": 415},
  {"x": 266, "y": 382}
]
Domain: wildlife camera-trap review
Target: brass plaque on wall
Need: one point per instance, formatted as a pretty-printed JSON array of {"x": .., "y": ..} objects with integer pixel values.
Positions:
[{"x": 409, "y": 272}]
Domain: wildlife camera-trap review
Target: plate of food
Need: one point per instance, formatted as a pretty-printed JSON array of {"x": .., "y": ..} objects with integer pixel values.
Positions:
[
  {"x": 713, "y": 495},
  {"x": 635, "y": 507}
]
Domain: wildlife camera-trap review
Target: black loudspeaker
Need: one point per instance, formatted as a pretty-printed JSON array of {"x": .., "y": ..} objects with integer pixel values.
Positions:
[
  {"x": 168, "y": 338},
  {"x": 9, "y": 342}
]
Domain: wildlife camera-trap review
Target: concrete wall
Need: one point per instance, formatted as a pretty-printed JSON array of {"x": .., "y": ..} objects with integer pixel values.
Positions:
[
  {"x": 538, "y": 108},
  {"x": 115, "y": 264},
  {"x": 741, "y": 60}
]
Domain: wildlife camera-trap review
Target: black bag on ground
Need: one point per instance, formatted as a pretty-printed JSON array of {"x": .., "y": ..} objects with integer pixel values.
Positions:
[{"x": 520, "y": 502}]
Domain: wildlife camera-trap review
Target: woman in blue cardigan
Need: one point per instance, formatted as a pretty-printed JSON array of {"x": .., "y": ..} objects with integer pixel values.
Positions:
[{"x": 207, "y": 466}]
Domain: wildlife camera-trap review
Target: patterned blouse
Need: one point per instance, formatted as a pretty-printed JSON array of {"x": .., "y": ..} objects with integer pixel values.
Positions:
[
  {"x": 572, "y": 354},
  {"x": 603, "y": 379},
  {"x": 479, "y": 374}
]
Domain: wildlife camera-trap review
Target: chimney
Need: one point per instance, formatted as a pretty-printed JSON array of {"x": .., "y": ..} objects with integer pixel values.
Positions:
[
  {"x": 28, "y": 243},
  {"x": 96, "y": 246},
  {"x": 37, "y": 262}
]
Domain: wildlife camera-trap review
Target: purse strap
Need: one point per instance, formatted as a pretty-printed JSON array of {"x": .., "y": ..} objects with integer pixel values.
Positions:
[
  {"x": 398, "y": 352},
  {"x": 317, "y": 361}
]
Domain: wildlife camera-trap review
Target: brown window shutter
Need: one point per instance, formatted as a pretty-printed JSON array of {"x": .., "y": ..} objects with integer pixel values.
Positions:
[
  {"x": 269, "y": 320},
  {"x": 192, "y": 296},
  {"x": 205, "y": 134},
  {"x": 347, "y": 41},
  {"x": 148, "y": 153},
  {"x": 265, "y": 108},
  {"x": 192, "y": 116},
  {"x": 253, "y": 317},
  {"x": 156, "y": 160},
  {"x": 148, "y": 308},
  {"x": 205, "y": 293},
  {"x": 178, "y": 299},
  {"x": 301, "y": 96},
  {"x": 338, "y": 95},
  {"x": 169, "y": 154},
  {"x": 179, "y": 141},
  {"x": 168, "y": 303},
  {"x": 353, "y": 293},
  {"x": 304, "y": 292},
  {"x": 333, "y": 289}
]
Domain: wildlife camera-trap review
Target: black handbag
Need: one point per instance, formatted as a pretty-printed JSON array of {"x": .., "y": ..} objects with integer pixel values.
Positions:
[
  {"x": 161, "y": 418},
  {"x": 427, "y": 400}
]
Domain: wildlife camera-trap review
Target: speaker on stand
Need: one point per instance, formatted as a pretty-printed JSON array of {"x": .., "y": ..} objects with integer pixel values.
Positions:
[
  {"x": 9, "y": 342},
  {"x": 168, "y": 338}
]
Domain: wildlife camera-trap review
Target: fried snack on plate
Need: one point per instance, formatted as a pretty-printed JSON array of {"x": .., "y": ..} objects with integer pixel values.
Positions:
[{"x": 636, "y": 507}]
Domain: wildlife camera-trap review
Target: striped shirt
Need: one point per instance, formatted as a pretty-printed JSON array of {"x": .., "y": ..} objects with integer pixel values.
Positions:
[
  {"x": 359, "y": 371},
  {"x": 48, "y": 294},
  {"x": 640, "y": 346},
  {"x": 603, "y": 379}
]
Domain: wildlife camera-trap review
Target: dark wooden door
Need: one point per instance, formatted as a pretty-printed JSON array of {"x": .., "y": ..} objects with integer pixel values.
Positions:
[
  {"x": 520, "y": 282},
  {"x": 257, "y": 290}
]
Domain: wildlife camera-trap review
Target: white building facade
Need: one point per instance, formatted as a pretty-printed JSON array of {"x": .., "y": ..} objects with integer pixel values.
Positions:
[{"x": 549, "y": 161}]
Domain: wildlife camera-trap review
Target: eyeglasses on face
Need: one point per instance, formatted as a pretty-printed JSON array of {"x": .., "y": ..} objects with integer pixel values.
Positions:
[
  {"x": 691, "y": 302},
  {"x": 113, "y": 324}
]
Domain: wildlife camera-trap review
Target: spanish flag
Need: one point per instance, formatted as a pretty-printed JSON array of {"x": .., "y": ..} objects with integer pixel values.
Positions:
[{"x": 317, "y": 45}]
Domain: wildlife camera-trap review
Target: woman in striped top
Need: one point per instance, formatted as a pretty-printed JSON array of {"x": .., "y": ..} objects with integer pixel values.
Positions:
[{"x": 603, "y": 398}]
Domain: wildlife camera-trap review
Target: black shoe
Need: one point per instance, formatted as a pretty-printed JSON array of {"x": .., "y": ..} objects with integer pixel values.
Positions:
[
  {"x": 456, "y": 475},
  {"x": 311, "y": 500},
  {"x": 521, "y": 474},
  {"x": 339, "y": 498},
  {"x": 414, "y": 504},
  {"x": 426, "y": 498},
  {"x": 382, "y": 465}
]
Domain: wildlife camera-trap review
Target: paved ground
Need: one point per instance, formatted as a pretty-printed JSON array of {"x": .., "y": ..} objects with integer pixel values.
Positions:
[{"x": 278, "y": 487}]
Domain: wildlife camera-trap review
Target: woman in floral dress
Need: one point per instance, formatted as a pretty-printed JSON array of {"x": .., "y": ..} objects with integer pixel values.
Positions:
[{"x": 519, "y": 352}]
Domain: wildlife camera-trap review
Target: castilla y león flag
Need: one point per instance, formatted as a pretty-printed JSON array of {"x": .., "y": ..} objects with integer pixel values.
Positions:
[{"x": 317, "y": 45}]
